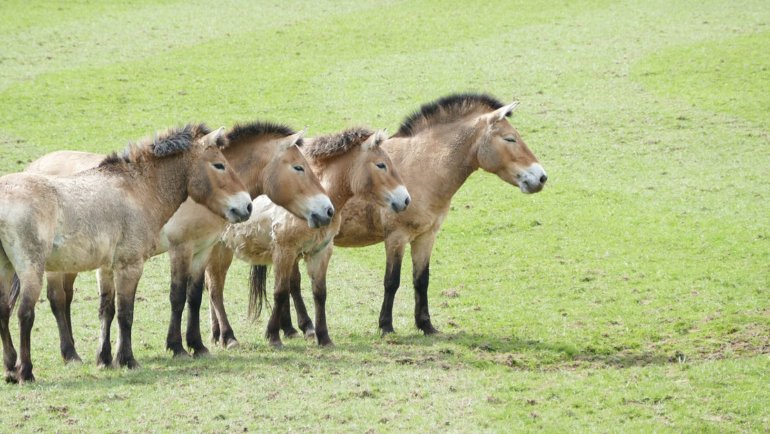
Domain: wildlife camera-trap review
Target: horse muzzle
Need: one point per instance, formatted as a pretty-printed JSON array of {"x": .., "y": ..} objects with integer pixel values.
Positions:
[
  {"x": 321, "y": 211},
  {"x": 239, "y": 208},
  {"x": 532, "y": 179},
  {"x": 399, "y": 199}
]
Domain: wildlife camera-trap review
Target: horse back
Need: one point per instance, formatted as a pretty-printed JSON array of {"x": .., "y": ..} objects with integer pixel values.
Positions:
[{"x": 64, "y": 163}]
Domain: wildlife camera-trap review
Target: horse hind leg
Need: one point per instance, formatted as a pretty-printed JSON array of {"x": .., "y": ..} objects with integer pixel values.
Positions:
[
  {"x": 180, "y": 277},
  {"x": 283, "y": 265},
  {"x": 126, "y": 282},
  {"x": 216, "y": 274},
  {"x": 394, "y": 250},
  {"x": 317, "y": 266},
  {"x": 59, "y": 301},
  {"x": 9, "y": 352},
  {"x": 106, "y": 315},
  {"x": 421, "y": 250},
  {"x": 31, "y": 285},
  {"x": 194, "y": 298},
  {"x": 303, "y": 319}
]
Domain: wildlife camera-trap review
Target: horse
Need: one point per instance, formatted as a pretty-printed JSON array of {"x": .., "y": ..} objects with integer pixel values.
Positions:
[
  {"x": 267, "y": 159},
  {"x": 461, "y": 133},
  {"x": 106, "y": 218},
  {"x": 349, "y": 164}
]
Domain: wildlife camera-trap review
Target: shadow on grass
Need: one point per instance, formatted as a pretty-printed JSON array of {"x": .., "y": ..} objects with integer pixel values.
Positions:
[
  {"x": 529, "y": 354},
  {"x": 445, "y": 351}
]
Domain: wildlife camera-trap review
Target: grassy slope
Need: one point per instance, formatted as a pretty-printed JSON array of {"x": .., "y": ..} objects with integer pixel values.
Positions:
[{"x": 632, "y": 293}]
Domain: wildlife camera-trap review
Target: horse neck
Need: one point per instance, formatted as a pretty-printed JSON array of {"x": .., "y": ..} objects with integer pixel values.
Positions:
[
  {"x": 163, "y": 186},
  {"x": 249, "y": 159},
  {"x": 447, "y": 157},
  {"x": 335, "y": 178}
]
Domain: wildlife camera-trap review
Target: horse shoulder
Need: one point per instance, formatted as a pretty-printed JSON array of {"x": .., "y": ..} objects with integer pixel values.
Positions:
[{"x": 193, "y": 221}]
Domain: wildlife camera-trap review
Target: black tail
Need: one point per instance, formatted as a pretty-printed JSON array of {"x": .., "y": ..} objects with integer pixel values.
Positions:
[
  {"x": 15, "y": 291},
  {"x": 257, "y": 290}
]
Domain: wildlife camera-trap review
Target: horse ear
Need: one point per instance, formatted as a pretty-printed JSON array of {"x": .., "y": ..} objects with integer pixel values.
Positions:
[
  {"x": 375, "y": 140},
  {"x": 502, "y": 113},
  {"x": 292, "y": 140},
  {"x": 213, "y": 138}
]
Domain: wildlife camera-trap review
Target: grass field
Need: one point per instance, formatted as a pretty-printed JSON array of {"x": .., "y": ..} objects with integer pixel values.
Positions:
[{"x": 632, "y": 294}]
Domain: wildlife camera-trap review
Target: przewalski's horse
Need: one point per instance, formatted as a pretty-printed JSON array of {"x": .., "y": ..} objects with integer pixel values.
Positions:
[
  {"x": 461, "y": 133},
  {"x": 106, "y": 218},
  {"x": 267, "y": 160},
  {"x": 350, "y": 163}
]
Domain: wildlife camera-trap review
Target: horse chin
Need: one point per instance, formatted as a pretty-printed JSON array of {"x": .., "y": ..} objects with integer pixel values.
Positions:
[{"x": 316, "y": 221}]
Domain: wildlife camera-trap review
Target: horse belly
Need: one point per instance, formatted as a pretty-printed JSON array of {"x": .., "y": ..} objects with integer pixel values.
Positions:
[{"x": 78, "y": 254}]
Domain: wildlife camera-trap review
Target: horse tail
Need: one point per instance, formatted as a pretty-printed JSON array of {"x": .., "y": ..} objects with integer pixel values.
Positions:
[
  {"x": 15, "y": 291},
  {"x": 257, "y": 290}
]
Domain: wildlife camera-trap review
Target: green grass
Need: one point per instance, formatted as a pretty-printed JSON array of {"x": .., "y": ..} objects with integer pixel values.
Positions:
[{"x": 632, "y": 294}]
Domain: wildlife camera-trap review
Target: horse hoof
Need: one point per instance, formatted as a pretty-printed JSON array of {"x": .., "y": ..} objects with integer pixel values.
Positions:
[
  {"x": 326, "y": 343},
  {"x": 386, "y": 330},
  {"x": 430, "y": 330},
  {"x": 290, "y": 333},
  {"x": 73, "y": 360},
  {"x": 71, "y": 356},
  {"x": 181, "y": 354},
  {"x": 201, "y": 352},
  {"x": 129, "y": 363},
  {"x": 10, "y": 377},
  {"x": 276, "y": 344},
  {"x": 24, "y": 375},
  {"x": 232, "y": 343},
  {"x": 310, "y": 334}
]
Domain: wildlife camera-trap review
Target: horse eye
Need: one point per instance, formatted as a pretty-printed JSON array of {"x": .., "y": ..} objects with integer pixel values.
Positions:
[
  {"x": 510, "y": 139},
  {"x": 299, "y": 168},
  {"x": 219, "y": 166},
  {"x": 381, "y": 166}
]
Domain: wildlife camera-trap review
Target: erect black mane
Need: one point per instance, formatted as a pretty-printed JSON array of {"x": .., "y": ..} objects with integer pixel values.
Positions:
[
  {"x": 338, "y": 143},
  {"x": 241, "y": 132},
  {"x": 161, "y": 144},
  {"x": 446, "y": 109}
]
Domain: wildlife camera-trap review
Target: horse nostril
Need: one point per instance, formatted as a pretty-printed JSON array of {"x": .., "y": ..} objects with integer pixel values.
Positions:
[
  {"x": 248, "y": 209},
  {"x": 406, "y": 201},
  {"x": 330, "y": 212},
  {"x": 543, "y": 178}
]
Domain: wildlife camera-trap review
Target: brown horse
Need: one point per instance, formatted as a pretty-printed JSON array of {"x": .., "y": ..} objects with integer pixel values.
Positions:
[
  {"x": 350, "y": 163},
  {"x": 265, "y": 157},
  {"x": 461, "y": 133},
  {"x": 106, "y": 218}
]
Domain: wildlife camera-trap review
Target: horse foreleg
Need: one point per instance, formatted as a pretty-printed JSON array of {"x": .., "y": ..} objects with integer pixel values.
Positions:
[
  {"x": 283, "y": 264},
  {"x": 316, "y": 268},
  {"x": 68, "y": 281},
  {"x": 286, "y": 324},
  {"x": 421, "y": 250},
  {"x": 57, "y": 298},
  {"x": 216, "y": 273},
  {"x": 179, "y": 256},
  {"x": 126, "y": 281},
  {"x": 31, "y": 285},
  {"x": 9, "y": 352},
  {"x": 303, "y": 319},
  {"x": 194, "y": 297},
  {"x": 106, "y": 314},
  {"x": 394, "y": 250}
]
